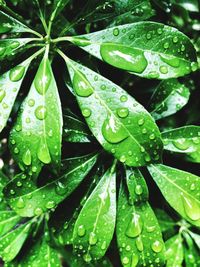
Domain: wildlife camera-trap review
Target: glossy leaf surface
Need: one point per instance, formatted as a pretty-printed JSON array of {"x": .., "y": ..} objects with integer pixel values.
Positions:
[
  {"x": 29, "y": 200},
  {"x": 180, "y": 189},
  {"x": 95, "y": 225},
  {"x": 39, "y": 123},
  {"x": 168, "y": 98},
  {"x": 174, "y": 251},
  {"x": 147, "y": 49},
  {"x": 120, "y": 124},
  {"x": 8, "y": 219}
]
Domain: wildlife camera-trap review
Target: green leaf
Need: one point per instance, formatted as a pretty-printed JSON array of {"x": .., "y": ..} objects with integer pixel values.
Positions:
[
  {"x": 169, "y": 97},
  {"x": 138, "y": 233},
  {"x": 74, "y": 129},
  {"x": 138, "y": 46},
  {"x": 95, "y": 225},
  {"x": 190, "y": 5},
  {"x": 3, "y": 181},
  {"x": 8, "y": 219},
  {"x": 165, "y": 221},
  {"x": 39, "y": 123},
  {"x": 185, "y": 139},
  {"x": 120, "y": 124},
  {"x": 59, "y": 5},
  {"x": 191, "y": 252},
  {"x": 10, "y": 47},
  {"x": 172, "y": 183},
  {"x": 174, "y": 251},
  {"x": 9, "y": 24},
  {"x": 11, "y": 243},
  {"x": 196, "y": 238},
  {"x": 29, "y": 200}
]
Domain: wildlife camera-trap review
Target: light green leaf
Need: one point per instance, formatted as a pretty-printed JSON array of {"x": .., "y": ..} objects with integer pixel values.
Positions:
[
  {"x": 8, "y": 219},
  {"x": 9, "y": 24},
  {"x": 95, "y": 225},
  {"x": 196, "y": 238},
  {"x": 174, "y": 251},
  {"x": 29, "y": 200},
  {"x": 191, "y": 252},
  {"x": 138, "y": 233},
  {"x": 11, "y": 243},
  {"x": 190, "y": 5},
  {"x": 169, "y": 97},
  {"x": 120, "y": 124},
  {"x": 165, "y": 221},
  {"x": 39, "y": 123},
  {"x": 148, "y": 49},
  {"x": 9, "y": 47},
  {"x": 185, "y": 139},
  {"x": 74, "y": 129},
  {"x": 180, "y": 189}
]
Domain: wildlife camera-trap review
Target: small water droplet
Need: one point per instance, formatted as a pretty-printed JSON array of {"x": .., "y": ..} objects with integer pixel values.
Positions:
[
  {"x": 31, "y": 102},
  {"x": 163, "y": 69},
  {"x": 87, "y": 257},
  {"x": 81, "y": 230},
  {"x": 17, "y": 73},
  {"x": 175, "y": 39},
  {"x": 43, "y": 153},
  {"x": 123, "y": 98},
  {"x": 86, "y": 112},
  {"x": 26, "y": 158},
  {"x": 81, "y": 85},
  {"x": 191, "y": 207},
  {"x": 20, "y": 203},
  {"x": 138, "y": 189},
  {"x": 125, "y": 260},
  {"x": 40, "y": 112},
  {"x": 134, "y": 260},
  {"x": 122, "y": 112},
  {"x": 92, "y": 238},
  {"x": 157, "y": 246},
  {"x": 50, "y": 204},
  {"x": 2, "y": 95},
  {"x": 38, "y": 211},
  {"x": 139, "y": 243},
  {"x": 115, "y": 31}
]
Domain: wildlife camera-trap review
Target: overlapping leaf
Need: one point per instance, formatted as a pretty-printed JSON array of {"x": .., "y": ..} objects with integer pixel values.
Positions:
[
  {"x": 8, "y": 219},
  {"x": 168, "y": 98},
  {"x": 3, "y": 181},
  {"x": 95, "y": 225},
  {"x": 138, "y": 233},
  {"x": 180, "y": 189},
  {"x": 29, "y": 200},
  {"x": 174, "y": 251},
  {"x": 165, "y": 221},
  {"x": 120, "y": 124},
  {"x": 147, "y": 49},
  {"x": 36, "y": 137}
]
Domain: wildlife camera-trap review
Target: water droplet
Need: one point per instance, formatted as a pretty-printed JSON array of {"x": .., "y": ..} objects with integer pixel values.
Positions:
[
  {"x": 123, "y": 98},
  {"x": 134, "y": 260},
  {"x": 138, "y": 189},
  {"x": 41, "y": 112},
  {"x": 124, "y": 57},
  {"x": 81, "y": 41},
  {"x": 87, "y": 257},
  {"x": 81, "y": 230},
  {"x": 26, "y": 158},
  {"x": 192, "y": 187},
  {"x": 20, "y": 203},
  {"x": 115, "y": 31},
  {"x": 43, "y": 153},
  {"x": 163, "y": 69},
  {"x": 150, "y": 229},
  {"x": 113, "y": 131},
  {"x": 86, "y": 112},
  {"x": 166, "y": 45},
  {"x": 17, "y": 73},
  {"x": 194, "y": 66},
  {"x": 157, "y": 246},
  {"x": 92, "y": 238},
  {"x": 15, "y": 44},
  {"x": 153, "y": 75},
  {"x": 125, "y": 260},
  {"x": 139, "y": 243},
  {"x": 191, "y": 207},
  {"x": 181, "y": 144},
  {"x": 104, "y": 245},
  {"x": 141, "y": 122},
  {"x": 175, "y": 39},
  {"x": 122, "y": 112},
  {"x": 149, "y": 36},
  {"x": 81, "y": 85},
  {"x": 135, "y": 226},
  {"x": 50, "y": 204},
  {"x": 43, "y": 77},
  {"x": 38, "y": 211},
  {"x": 31, "y": 102},
  {"x": 2, "y": 95},
  {"x": 171, "y": 61}
]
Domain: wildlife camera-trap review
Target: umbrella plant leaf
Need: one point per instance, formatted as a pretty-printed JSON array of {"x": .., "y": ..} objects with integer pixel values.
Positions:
[
  {"x": 3, "y": 181},
  {"x": 196, "y": 238},
  {"x": 39, "y": 123},
  {"x": 174, "y": 251},
  {"x": 191, "y": 251},
  {"x": 185, "y": 139},
  {"x": 138, "y": 233},
  {"x": 120, "y": 124},
  {"x": 95, "y": 224},
  {"x": 11, "y": 243},
  {"x": 169, "y": 97},
  {"x": 180, "y": 189},
  {"x": 8, "y": 219},
  {"x": 132, "y": 47},
  {"x": 30, "y": 200}
]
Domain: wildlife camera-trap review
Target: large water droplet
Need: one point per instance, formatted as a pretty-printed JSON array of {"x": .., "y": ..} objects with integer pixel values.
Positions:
[
  {"x": 43, "y": 153},
  {"x": 171, "y": 61},
  {"x": 134, "y": 260},
  {"x": 157, "y": 246},
  {"x": 113, "y": 131},
  {"x": 135, "y": 226},
  {"x": 139, "y": 243},
  {"x": 124, "y": 57},
  {"x": 181, "y": 144},
  {"x": 43, "y": 77},
  {"x": 60, "y": 188},
  {"x": 138, "y": 189},
  {"x": 122, "y": 112},
  {"x": 81, "y": 230},
  {"x": 191, "y": 207},
  {"x": 17, "y": 73},
  {"x": 41, "y": 113},
  {"x": 81, "y": 85},
  {"x": 26, "y": 158},
  {"x": 87, "y": 257},
  {"x": 20, "y": 203},
  {"x": 2, "y": 95},
  {"x": 92, "y": 238}
]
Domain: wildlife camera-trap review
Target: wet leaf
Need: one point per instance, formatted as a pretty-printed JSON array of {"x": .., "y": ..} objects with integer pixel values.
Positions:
[
  {"x": 132, "y": 47},
  {"x": 29, "y": 200},
  {"x": 174, "y": 182},
  {"x": 3, "y": 181},
  {"x": 39, "y": 123},
  {"x": 165, "y": 221},
  {"x": 174, "y": 251},
  {"x": 196, "y": 238},
  {"x": 191, "y": 252},
  {"x": 8, "y": 219},
  {"x": 168, "y": 98},
  {"x": 95, "y": 225},
  {"x": 120, "y": 124}
]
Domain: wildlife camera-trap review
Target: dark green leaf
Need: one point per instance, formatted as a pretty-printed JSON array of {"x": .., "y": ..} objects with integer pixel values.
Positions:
[
  {"x": 180, "y": 189},
  {"x": 3, "y": 181},
  {"x": 191, "y": 252},
  {"x": 147, "y": 49},
  {"x": 95, "y": 225},
  {"x": 59, "y": 5},
  {"x": 190, "y": 5},
  {"x": 168, "y": 98},
  {"x": 8, "y": 219},
  {"x": 120, "y": 124},
  {"x": 138, "y": 233},
  {"x": 11, "y": 243},
  {"x": 74, "y": 129},
  {"x": 174, "y": 251},
  {"x": 29, "y": 200},
  {"x": 185, "y": 139},
  {"x": 39, "y": 123},
  {"x": 165, "y": 221},
  {"x": 196, "y": 238}
]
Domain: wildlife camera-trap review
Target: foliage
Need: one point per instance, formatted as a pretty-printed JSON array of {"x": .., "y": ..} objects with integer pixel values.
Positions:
[{"x": 100, "y": 133}]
